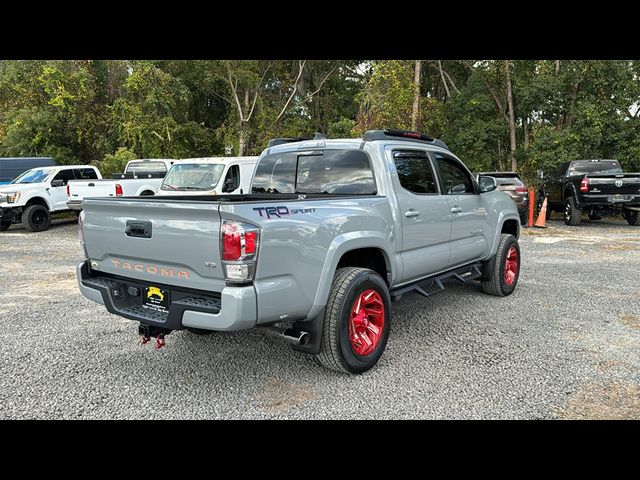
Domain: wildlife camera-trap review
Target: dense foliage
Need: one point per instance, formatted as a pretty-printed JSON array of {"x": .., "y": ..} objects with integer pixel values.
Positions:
[{"x": 493, "y": 114}]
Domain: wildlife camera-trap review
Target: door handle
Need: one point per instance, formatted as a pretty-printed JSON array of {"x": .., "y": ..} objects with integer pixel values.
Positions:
[
  {"x": 411, "y": 213},
  {"x": 456, "y": 210}
]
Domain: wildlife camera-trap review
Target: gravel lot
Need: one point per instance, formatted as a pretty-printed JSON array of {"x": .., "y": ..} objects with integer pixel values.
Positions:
[{"x": 564, "y": 345}]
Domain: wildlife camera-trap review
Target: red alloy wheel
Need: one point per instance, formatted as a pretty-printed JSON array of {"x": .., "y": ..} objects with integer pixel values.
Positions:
[
  {"x": 511, "y": 266},
  {"x": 366, "y": 322}
]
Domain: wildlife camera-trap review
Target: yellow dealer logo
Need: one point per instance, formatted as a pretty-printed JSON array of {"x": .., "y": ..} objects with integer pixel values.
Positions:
[{"x": 155, "y": 291}]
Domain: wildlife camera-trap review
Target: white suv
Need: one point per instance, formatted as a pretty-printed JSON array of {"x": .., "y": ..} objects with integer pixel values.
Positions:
[{"x": 33, "y": 196}]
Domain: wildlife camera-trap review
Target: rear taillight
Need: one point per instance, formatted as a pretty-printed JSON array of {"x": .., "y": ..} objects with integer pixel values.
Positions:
[
  {"x": 584, "y": 184},
  {"x": 118, "y": 190},
  {"x": 68, "y": 191},
  {"x": 521, "y": 189},
  {"x": 239, "y": 249}
]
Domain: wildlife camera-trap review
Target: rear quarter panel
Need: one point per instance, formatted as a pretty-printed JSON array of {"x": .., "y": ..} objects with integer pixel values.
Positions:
[{"x": 300, "y": 250}]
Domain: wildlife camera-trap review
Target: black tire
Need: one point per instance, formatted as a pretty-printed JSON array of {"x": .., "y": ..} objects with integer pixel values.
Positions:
[
  {"x": 147, "y": 193},
  {"x": 336, "y": 351},
  {"x": 572, "y": 214},
  {"x": 36, "y": 218},
  {"x": 4, "y": 225},
  {"x": 494, "y": 279},
  {"x": 633, "y": 217}
]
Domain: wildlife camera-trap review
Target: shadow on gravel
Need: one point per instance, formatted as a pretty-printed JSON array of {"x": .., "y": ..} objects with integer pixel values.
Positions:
[{"x": 55, "y": 223}]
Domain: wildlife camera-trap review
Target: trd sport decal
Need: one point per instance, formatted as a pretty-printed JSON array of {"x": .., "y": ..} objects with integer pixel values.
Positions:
[{"x": 280, "y": 211}]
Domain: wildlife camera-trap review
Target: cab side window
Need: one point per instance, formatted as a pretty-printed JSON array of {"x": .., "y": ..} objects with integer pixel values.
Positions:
[
  {"x": 232, "y": 179},
  {"x": 415, "y": 172},
  {"x": 455, "y": 177},
  {"x": 65, "y": 176}
]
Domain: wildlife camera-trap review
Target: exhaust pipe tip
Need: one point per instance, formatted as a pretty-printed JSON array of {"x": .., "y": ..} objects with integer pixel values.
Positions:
[{"x": 291, "y": 335}]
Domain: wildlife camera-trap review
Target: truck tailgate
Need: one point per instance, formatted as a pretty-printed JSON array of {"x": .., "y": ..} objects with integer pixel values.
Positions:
[
  {"x": 618, "y": 183},
  {"x": 79, "y": 189},
  {"x": 173, "y": 243}
]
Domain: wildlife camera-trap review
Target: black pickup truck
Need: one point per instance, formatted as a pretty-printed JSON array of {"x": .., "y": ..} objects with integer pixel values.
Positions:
[{"x": 597, "y": 187}]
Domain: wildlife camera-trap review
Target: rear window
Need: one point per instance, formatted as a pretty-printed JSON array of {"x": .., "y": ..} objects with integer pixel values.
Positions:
[
  {"x": 146, "y": 167},
  {"x": 579, "y": 168},
  {"x": 85, "y": 173},
  {"x": 507, "y": 180},
  {"x": 336, "y": 172}
]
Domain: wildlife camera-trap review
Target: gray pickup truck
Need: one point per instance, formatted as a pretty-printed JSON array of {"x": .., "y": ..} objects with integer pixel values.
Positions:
[{"x": 332, "y": 232}]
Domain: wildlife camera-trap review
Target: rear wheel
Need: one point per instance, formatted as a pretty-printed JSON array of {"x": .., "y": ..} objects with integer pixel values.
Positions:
[
  {"x": 146, "y": 193},
  {"x": 572, "y": 214},
  {"x": 501, "y": 273},
  {"x": 357, "y": 321},
  {"x": 36, "y": 218},
  {"x": 633, "y": 217},
  {"x": 4, "y": 225}
]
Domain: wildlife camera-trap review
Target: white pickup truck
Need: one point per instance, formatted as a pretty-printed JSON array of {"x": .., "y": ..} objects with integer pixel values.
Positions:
[
  {"x": 140, "y": 177},
  {"x": 209, "y": 176},
  {"x": 38, "y": 193}
]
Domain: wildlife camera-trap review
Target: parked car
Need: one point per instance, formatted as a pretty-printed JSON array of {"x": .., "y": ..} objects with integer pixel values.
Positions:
[
  {"x": 514, "y": 186},
  {"x": 13, "y": 167},
  {"x": 597, "y": 187},
  {"x": 37, "y": 194},
  {"x": 209, "y": 176},
  {"x": 140, "y": 177},
  {"x": 332, "y": 232}
]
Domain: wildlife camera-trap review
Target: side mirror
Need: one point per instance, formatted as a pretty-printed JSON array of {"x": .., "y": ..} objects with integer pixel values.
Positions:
[
  {"x": 57, "y": 183},
  {"x": 487, "y": 184}
]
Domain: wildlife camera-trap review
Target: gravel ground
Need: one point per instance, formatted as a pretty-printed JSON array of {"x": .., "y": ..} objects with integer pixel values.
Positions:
[{"x": 564, "y": 345}]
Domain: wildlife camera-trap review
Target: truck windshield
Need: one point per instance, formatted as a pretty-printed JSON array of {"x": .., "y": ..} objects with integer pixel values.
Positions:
[
  {"x": 146, "y": 167},
  {"x": 581, "y": 168},
  {"x": 336, "y": 172},
  {"x": 36, "y": 175},
  {"x": 193, "y": 176}
]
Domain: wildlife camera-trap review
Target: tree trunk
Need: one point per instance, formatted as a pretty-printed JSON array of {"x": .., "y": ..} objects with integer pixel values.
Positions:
[
  {"x": 415, "y": 112},
  {"x": 500, "y": 156},
  {"x": 512, "y": 122},
  {"x": 242, "y": 138},
  {"x": 557, "y": 67},
  {"x": 525, "y": 132},
  {"x": 444, "y": 82}
]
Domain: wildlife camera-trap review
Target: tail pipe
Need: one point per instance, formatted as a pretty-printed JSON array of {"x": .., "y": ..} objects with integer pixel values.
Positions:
[{"x": 290, "y": 335}]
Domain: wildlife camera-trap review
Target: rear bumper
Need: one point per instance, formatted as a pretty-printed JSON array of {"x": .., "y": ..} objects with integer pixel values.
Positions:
[
  {"x": 75, "y": 205},
  {"x": 233, "y": 309},
  {"x": 609, "y": 200}
]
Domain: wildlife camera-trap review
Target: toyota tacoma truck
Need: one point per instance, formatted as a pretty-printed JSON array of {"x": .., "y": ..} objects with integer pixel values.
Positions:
[
  {"x": 37, "y": 194},
  {"x": 140, "y": 177},
  {"x": 331, "y": 233},
  {"x": 597, "y": 187}
]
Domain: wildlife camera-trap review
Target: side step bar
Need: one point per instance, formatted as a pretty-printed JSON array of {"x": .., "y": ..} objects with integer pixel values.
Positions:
[{"x": 429, "y": 286}]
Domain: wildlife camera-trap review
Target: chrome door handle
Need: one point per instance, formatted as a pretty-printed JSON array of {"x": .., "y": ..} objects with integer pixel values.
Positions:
[
  {"x": 456, "y": 210},
  {"x": 411, "y": 213}
]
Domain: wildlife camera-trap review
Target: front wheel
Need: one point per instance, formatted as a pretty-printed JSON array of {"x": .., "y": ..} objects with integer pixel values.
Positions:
[
  {"x": 36, "y": 218},
  {"x": 633, "y": 217},
  {"x": 501, "y": 273},
  {"x": 357, "y": 321},
  {"x": 572, "y": 214}
]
